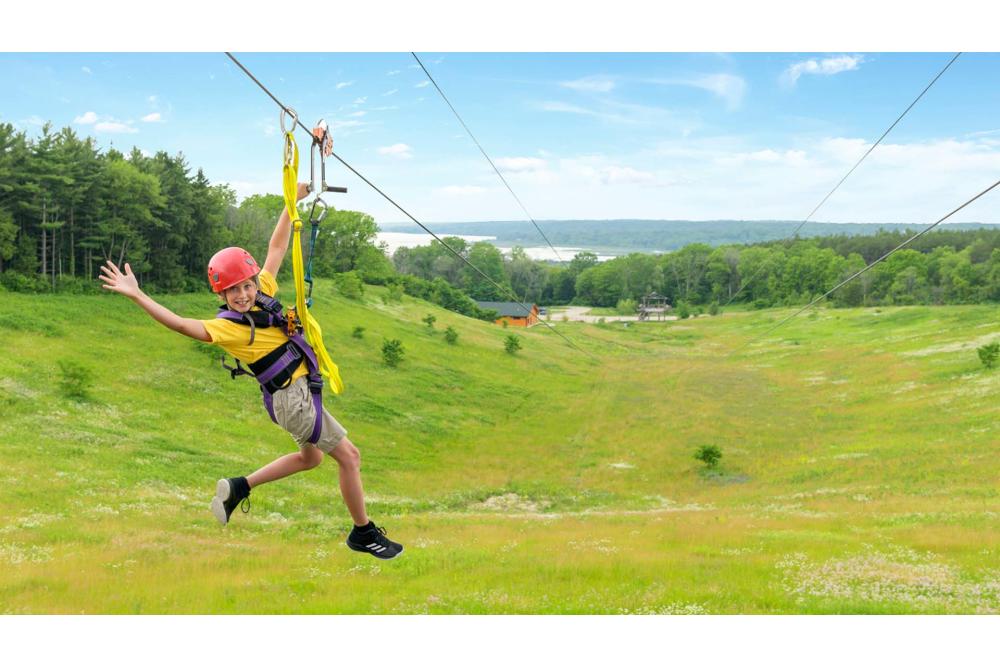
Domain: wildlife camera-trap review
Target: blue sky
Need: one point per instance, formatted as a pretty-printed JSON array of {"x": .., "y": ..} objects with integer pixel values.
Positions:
[{"x": 586, "y": 135}]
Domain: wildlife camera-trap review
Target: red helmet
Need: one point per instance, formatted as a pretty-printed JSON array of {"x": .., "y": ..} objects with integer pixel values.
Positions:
[{"x": 230, "y": 266}]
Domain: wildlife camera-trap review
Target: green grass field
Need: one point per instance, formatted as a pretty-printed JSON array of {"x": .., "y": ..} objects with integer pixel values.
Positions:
[{"x": 859, "y": 471}]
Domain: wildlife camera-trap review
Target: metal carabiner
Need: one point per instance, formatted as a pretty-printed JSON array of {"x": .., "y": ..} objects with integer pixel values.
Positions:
[
  {"x": 289, "y": 146},
  {"x": 317, "y": 220}
]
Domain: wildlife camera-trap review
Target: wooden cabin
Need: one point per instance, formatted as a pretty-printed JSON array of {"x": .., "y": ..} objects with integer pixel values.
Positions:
[{"x": 515, "y": 314}]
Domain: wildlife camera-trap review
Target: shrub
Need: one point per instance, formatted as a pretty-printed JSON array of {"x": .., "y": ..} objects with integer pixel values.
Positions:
[
  {"x": 989, "y": 354},
  {"x": 30, "y": 284},
  {"x": 75, "y": 381},
  {"x": 683, "y": 311},
  {"x": 512, "y": 343},
  {"x": 625, "y": 306},
  {"x": 713, "y": 309},
  {"x": 358, "y": 332},
  {"x": 392, "y": 352},
  {"x": 350, "y": 285},
  {"x": 451, "y": 335},
  {"x": 710, "y": 454},
  {"x": 429, "y": 320},
  {"x": 504, "y": 323},
  {"x": 393, "y": 293}
]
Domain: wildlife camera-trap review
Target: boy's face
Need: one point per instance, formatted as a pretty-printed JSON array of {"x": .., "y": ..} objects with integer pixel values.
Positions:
[{"x": 240, "y": 297}]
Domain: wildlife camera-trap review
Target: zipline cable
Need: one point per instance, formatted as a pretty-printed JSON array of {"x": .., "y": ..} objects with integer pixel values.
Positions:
[
  {"x": 856, "y": 165},
  {"x": 483, "y": 151},
  {"x": 863, "y": 270},
  {"x": 458, "y": 255}
]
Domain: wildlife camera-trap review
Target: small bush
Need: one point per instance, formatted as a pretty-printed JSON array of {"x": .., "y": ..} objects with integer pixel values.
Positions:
[
  {"x": 710, "y": 454},
  {"x": 393, "y": 293},
  {"x": 75, "y": 380},
  {"x": 683, "y": 311},
  {"x": 429, "y": 320},
  {"x": 713, "y": 309},
  {"x": 450, "y": 335},
  {"x": 512, "y": 343},
  {"x": 358, "y": 332},
  {"x": 350, "y": 285},
  {"x": 392, "y": 352},
  {"x": 625, "y": 306},
  {"x": 504, "y": 323},
  {"x": 989, "y": 354},
  {"x": 214, "y": 352},
  {"x": 28, "y": 284}
]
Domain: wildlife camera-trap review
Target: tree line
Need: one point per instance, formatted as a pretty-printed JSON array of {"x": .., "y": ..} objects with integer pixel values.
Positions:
[
  {"x": 948, "y": 266},
  {"x": 66, "y": 207}
]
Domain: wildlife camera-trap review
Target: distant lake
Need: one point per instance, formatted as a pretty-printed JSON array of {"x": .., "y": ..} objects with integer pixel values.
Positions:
[{"x": 395, "y": 240}]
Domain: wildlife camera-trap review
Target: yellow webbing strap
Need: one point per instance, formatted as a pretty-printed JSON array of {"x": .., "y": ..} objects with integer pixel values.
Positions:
[{"x": 314, "y": 335}]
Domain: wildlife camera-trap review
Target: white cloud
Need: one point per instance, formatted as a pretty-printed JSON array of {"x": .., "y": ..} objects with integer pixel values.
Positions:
[
  {"x": 390, "y": 92},
  {"x": 360, "y": 100},
  {"x": 461, "y": 190},
  {"x": 520, "y": 164},
  {"x": 590, "y": 84},
  {"x": 398, "y": 150},
  {"x": 729, "y": 87},
  {"x": 33, "y": 120},
  {"x": 344, "y": 84},
  {"x": 825, "y": 67},
  {"x": 356, "y": 114},
  {"x": 86, "y": 70},
  {"x": 152, "y": 118},
  {"x": 115, "y": 127},
  {"x": 152, "y": 99},
  {"x": 89, "y": 118},
  {"x": 422, "y": 84},
  {"x": 615, "y": 175},
  {"x": 392, "y": 72}
]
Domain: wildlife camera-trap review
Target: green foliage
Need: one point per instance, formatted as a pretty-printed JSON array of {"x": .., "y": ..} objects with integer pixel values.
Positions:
[
  {"x": 214, "y": 352},
  {"x": 505, "y": 323},
  {"x": 988, "y": 355},
  {"x": 75, "y": 380},
  {"x": 29, "y": 284},
  {"x": 350, "y": 285},
  {"x": 710, "y": 454},
  {"x": 358, "y": 332},
  {"x": 713, "y": 309},
  {"x": 626, "y": 306},
  {"x": 392, "y": 352},
  {"x": 683, "y": 311},
  {"x": 512, "y": 343},
  {"x": 451, "y": 335},
  {"x": 429, "y": 320},
  {"x": 393, "y": 293}
]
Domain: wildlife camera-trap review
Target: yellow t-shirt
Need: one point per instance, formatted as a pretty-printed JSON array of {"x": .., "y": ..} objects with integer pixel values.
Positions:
[{"x": 235, "y": 338}]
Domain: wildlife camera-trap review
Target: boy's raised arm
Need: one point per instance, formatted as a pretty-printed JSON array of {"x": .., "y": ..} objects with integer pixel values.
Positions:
[
  {"x": 278, "y": 246},
  {"x": 127, "y": 285}
]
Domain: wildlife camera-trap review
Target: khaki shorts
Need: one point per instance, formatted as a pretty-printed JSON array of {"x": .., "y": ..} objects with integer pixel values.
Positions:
[{"x": 293, "y": 408}]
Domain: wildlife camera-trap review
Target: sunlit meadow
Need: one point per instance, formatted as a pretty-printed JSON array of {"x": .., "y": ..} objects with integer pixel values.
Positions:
[{"x": 859, "y": 470}]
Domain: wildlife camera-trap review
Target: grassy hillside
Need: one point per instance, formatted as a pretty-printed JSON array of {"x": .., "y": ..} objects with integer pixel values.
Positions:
[{"x": 859, "y": 472}]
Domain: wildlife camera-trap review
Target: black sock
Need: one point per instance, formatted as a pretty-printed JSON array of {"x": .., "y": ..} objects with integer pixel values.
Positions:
[{"x": 363, "y": 528}]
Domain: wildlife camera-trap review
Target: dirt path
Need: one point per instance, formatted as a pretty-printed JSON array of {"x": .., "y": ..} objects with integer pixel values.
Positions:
[{"x": 578, "y": 313}]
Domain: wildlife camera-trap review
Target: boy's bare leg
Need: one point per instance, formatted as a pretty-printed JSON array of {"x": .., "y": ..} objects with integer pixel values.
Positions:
[
  {"x": 349, "y": 459},
  {"x": 306, "y": 458}
]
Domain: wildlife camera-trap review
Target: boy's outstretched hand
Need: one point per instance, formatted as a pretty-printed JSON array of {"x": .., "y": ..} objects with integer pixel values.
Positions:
[{"x": 125, "y": 283}]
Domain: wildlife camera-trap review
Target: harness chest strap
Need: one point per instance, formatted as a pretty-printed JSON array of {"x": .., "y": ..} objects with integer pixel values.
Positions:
[{"x": 296, "y": 350}]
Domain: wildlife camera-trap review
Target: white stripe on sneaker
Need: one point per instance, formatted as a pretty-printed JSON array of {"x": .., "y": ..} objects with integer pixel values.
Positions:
[{"x": 380, "y": 549}]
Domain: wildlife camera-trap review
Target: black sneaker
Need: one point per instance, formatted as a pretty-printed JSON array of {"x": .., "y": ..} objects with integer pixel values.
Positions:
[
  {"x": 228, "y": 494},
  {"x": 372, "y": 539}
]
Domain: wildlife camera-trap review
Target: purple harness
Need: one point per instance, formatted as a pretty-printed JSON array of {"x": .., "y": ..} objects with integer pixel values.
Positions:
[{"x": 274, "y": 371}]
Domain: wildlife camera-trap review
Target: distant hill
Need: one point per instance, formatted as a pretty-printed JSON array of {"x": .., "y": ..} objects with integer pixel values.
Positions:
[{"x": 618, "y": 236}]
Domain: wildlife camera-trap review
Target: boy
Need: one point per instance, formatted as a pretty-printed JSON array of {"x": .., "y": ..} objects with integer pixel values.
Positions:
[{"x": 235, "y": 276}]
